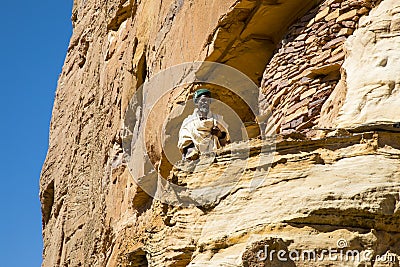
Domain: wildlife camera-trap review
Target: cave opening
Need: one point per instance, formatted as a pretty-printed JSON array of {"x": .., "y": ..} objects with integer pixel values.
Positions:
[{"x": 137, "y": 258}]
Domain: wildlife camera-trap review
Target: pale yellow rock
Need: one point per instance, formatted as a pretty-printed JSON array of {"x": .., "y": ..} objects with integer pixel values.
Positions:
[
  {"x": 311, "y": 22},
  {"x": 331, "y": 108},
  {"x": 308, "y": 93},
  {"x": 296, "y": 114},
  {"x": 347, "y": 16},
  {"x": 322, "y": 14},
  {"x": 321, "y": 58},
  {"x": 337, "y": 50},
  {"x": 333, "y": 15},
  {"x": 310, "y": 39},
  {"x": 333, "y": 185},
  {"x": 372, "y": 66},
  {"x": 314, "y": 193},
  {"x": 362, "y": 11},
  {"x": 345, "y": 32}
]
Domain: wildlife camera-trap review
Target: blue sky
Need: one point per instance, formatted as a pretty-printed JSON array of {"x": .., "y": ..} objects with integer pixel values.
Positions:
[{"x": 34, "y": 41}]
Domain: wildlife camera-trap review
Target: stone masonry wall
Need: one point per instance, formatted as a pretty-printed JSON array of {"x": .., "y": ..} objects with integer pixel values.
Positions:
[
  {"x": 306, "y": 67},
  {"x": 316, "y": 192}
]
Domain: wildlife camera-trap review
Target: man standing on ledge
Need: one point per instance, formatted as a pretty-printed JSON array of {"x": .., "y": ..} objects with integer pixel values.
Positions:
[{"x": 202, "y": 131}]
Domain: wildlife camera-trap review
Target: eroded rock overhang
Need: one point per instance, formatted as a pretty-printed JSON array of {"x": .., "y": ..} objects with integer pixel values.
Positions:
[
  {"x": 247, "y": 36},
  {"x": 245, "y": 39}
]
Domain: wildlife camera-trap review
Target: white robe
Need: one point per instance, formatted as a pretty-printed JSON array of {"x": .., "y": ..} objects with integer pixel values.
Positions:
[{"x": 197, "y": 131}]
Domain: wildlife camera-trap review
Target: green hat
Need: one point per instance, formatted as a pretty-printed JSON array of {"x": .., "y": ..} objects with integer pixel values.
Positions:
[{"x": 200, "y": 92}]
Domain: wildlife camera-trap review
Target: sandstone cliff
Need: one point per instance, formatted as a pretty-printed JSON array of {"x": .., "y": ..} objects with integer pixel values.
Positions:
[{"x": 322, "y": 82}]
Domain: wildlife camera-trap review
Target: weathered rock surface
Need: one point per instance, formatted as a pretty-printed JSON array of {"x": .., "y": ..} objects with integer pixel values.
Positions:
[
  {"x": 316, "y": 193},
  {"x": 342, "y": 186},
  {"x": 373, "y": 85},
  {"x": 307, "y": 66}
]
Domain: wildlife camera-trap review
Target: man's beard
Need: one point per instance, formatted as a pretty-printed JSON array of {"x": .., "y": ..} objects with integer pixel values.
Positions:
[{"x": 204, "y": 109}]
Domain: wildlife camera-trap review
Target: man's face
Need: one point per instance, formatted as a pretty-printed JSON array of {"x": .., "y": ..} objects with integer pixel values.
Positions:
[{"x": 203, "y": 104}]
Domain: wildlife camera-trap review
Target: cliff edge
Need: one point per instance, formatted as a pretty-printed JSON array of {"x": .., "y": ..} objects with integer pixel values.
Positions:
[{"x": 322, "y": 85}]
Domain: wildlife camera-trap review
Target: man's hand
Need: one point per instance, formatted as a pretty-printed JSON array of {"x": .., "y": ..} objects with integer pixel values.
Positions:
[
  {"x": 192, "y": 153},
  {"x": 217, "y": 132}
]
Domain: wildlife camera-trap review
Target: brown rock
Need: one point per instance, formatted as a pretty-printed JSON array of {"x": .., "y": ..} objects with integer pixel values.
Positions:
[
  {"x": 297, "y": 106},
  {"x": 310, "y": 23},
  {"x": 334, "y": 43},
  {"x": 337, "y": 58},
  {"x": 299, "y": 112},
  {"x": 322, "y": 70},
  {"x": 322, "y": 57},
  {"x": 333, "y": 15},
  {"x": 348, "y": 24},
  {"x": 347, "y": 16},
  {"x": 301, "y": 37},
  {"x": 308, "y": 93},
  {"x": 322, "y": 14},
  {"x": 311, "y": 194},
  {"x": 345, "y": 32},
  {"x": 310, "y": 39},
  {"x": 363, "y": 11},
  {"x": 337, "y": 50},
  {"x": 297, "y": 122},
  {"x": 278, "y": 96}
]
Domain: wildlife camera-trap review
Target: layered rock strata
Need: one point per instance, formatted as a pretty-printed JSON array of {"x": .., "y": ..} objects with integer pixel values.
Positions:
[
  {"x": 317, "y": 193},
  {"x": 314, "y": 193}
]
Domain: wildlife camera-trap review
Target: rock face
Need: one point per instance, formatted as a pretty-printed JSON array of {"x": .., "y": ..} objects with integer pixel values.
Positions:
[
  {"x": 373, "y": 98},
  {"x": 306, "y": 67},
  {"x": 325, "y": 76}
]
